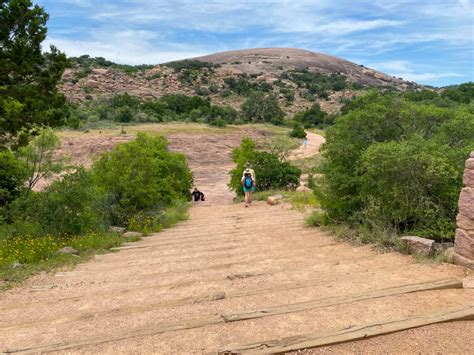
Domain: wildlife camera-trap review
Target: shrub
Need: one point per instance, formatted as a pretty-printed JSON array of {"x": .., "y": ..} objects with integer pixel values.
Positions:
[
  {"x": 298, "y": 131},
  {"x": 262, "y": 108},
  {"x": 142, "y": 175},
  {"x": 12, "y": 177},
  {"x": 270, "y": 172},
  {"x": 411, "y": 185},
  {"x": 313, "y": 117},
  {"x": 396, "y": 163},
  {"x": 71, "y": 206},
  {"x": 37, "y": 157}
]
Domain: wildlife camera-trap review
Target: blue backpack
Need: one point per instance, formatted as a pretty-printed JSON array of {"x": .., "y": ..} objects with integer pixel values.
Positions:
[{"x": 248, "y": 182}]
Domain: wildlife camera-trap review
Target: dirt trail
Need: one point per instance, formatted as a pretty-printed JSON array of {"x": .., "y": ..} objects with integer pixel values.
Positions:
[{"x": 229, "y": 275}]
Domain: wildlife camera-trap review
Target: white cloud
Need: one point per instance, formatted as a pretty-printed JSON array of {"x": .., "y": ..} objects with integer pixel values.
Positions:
[{"x": 124, "y": 52}]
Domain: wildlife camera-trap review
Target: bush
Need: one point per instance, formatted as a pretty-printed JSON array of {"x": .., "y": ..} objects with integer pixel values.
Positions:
[
  {"x": 262, "y": 108},
  {"x": 140, "y": 176},
  {"x": 274, "y": 174},
  {"x": 396, "y": 163},
  {"x": 313, "y": 117},
  {"x": 298, "y": 131},
  {"x": 12, "y": 177},
  {"x": 270, "y": 172},
  {"x": 411, "y": 185},
  {"x": 72, "y": 206}
]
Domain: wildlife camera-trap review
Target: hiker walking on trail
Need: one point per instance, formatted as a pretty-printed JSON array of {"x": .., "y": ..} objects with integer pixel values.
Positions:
[
  {"x": 248, "y": 183},
  {"x": 305, "y": 143}
]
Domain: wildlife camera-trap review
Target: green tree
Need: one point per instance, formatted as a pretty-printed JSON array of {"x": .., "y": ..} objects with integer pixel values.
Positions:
[
  {"x": 72, "y": 206},
  {"x": 142, "y": 175},
  {"x": 38, "y": 157},
  {"x": 271, "y": 173},
  {"x": 411, "y": 185},
  {"x": 398, "y": 162},
  {"x": 298, "y": 131},
  {"x": 29, "y": 97},
  {"x": 12, "y": 177},
  {"x": 262, "y": 108},
  {"x": 313, "y": 117}
]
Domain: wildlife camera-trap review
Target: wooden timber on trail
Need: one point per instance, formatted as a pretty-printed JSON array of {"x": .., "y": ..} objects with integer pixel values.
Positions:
[
  {"x": 207, "y": 320},
  {"x": 324, "y": 338}
]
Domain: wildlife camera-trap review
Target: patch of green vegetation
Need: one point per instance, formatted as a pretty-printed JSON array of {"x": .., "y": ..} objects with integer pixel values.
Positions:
[
  {"x": 130, "y": 186},
  {"x": 313, "y": 117},
  {"x": 125, "y": 108},
  {"x": 316, "y": 83},
  {"x": 396, "y": 164},
  {"x": 23, "y": 257},
  {"x": 271, "y": 173},
  {"x": 86, "y": 63},
  {"x": 191, "y": 64},
  {"x": 244, "y": 86}
]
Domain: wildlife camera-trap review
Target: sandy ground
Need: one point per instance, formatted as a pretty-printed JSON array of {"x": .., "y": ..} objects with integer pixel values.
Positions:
[{"x": 168, "y": 293}]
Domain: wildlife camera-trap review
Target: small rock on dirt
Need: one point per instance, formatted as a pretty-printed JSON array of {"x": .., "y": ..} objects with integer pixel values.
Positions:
[
  {"x": 417, "y": 245},
  {"x": 68, "y": 250},
  {"x": 120, "y": 230},
  {"x": 132, "y": 235},
  {"x": 303, "y": 189},
  {"x": 274, "y": 200}
]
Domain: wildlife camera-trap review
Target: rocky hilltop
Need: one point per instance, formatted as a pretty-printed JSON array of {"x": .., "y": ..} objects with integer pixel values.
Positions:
[
  {"x": 297, "y": 77},
  {"x": 273, "y": 61}
]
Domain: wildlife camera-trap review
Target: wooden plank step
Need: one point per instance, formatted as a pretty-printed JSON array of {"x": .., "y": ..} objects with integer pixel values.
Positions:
[
  {"x": 302, "y": 306},
  {"x": 325, "y": 338},
  {"x": 207, "y": 320},
  {"x": 174, "y": 285}
]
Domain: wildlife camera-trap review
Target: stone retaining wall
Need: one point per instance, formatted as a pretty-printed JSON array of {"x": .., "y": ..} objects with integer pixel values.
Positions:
[{"x": 464, "y": 242}]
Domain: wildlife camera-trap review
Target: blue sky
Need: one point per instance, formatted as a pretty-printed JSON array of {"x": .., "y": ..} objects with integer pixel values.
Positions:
[{"x": 430, "y": 42}]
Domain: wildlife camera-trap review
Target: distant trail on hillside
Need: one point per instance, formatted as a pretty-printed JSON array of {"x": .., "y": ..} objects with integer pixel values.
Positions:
[{"x": 314, "y": 144}]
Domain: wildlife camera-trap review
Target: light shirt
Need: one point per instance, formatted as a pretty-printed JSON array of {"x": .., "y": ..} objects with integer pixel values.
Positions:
[{"x": 251, "y": 171}]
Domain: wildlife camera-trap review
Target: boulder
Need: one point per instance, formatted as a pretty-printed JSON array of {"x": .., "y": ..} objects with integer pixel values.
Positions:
[
  {"x": 93, "y": 84},
  {"x": 68, "y": 250},
  {"x": 470, "y": 163},
  {"x": 466, "y": 202},
  {"x": 274, "y": 200},
  {"x": 468, "y": 177},
  {"x": 131, "y": 235},
  {"x": 464, "y": 222},
  {"x": 464, "y": 243},
  {"x": 417, "y": 245},
  {"x": 463, "y": 261},
  {"x": 120, "y": 230},
  {"x": 303, "y": 188}
]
